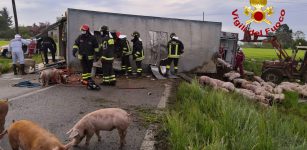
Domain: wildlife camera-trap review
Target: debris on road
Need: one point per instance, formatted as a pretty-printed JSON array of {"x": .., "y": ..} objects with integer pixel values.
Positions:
[{"x": 27, "y": 84}]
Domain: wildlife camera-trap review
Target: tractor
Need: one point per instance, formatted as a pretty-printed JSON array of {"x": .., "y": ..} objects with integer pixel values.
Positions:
[
  {"x": 290, "y": 67},
  {"x": 287, "y": 66}
]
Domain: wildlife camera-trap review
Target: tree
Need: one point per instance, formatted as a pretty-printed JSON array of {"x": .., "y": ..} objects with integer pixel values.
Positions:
[
  {"x": 36, "y": 29},
  {"x": 284, "y": 35},
  {"x": 7, "y": 17},
  {"x": 5, "y": 23},
  {"x": 299, "y": 39},
  {"x": 299, "y": 35}
]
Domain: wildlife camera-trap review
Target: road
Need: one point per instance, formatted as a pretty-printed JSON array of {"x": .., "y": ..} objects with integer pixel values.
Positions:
[{"x": 59, "y": 107}]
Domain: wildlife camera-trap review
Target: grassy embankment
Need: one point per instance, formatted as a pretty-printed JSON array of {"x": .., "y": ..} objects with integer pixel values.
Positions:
[{"x": 202, "y": 118}]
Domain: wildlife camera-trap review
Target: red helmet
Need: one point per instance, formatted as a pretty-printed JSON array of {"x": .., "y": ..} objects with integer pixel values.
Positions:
[{"x": 85, "y": 27}]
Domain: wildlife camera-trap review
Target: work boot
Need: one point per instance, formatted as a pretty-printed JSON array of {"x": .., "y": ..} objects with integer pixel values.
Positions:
[
  {"x": 167, "y": 73},
  {"x": 15, "y": 69},
  {"x": 113, "y": 83},
  {"x": 139, "y": 74},
  {"x": 176, "y": 71},
  {"x": 22, "y": 69}
]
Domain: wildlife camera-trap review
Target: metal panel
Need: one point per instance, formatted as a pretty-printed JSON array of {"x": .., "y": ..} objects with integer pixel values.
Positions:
[{"x": 201, "y": 39}]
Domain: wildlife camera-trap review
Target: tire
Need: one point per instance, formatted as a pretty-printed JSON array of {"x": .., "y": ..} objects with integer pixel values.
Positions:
[{"x": 272, "y": 75}]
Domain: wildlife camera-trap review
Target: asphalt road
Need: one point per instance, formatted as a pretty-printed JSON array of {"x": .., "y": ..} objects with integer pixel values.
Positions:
[{"x": 58, "y": 108}]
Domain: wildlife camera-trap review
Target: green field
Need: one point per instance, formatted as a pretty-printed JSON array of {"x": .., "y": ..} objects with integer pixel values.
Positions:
[
  {"x": 4, "y": 43},
  {"x": 260, "y": 54},
  {"x": 209, "y": 119}
]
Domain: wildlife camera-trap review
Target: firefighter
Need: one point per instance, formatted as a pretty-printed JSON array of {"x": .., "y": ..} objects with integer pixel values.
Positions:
[
  {"x": 48, "y": 43},
  {"x": 175, "y": 49},
  {"x": 240, "y": 57},
  {"x": 107, "y": 56},
  {"x": 138, "y": 52},
  {"x": 86, "y": 45},
  {"x": 126, "y": 51}
]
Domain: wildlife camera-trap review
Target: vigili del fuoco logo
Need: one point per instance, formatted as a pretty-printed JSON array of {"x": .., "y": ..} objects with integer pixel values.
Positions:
[{"x": 258, "y": 12}]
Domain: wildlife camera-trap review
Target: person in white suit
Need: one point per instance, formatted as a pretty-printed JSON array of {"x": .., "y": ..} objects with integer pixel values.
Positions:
[{"x": 17, "y": 53}]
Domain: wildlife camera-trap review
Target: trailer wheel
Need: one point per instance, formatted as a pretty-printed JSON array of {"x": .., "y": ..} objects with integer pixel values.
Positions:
[{"x": 272, "y": 75}]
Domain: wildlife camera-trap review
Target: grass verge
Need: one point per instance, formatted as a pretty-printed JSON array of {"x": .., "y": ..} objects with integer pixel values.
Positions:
[{"x": 209, "y": 119}]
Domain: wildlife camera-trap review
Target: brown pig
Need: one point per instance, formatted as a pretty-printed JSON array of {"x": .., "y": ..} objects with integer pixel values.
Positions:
[
  {"x": 51, "y": 75},
  {"x": 4, "y": 107},
  {"x": 103, "y": 119},
  {"x": 27, "y": 135}
]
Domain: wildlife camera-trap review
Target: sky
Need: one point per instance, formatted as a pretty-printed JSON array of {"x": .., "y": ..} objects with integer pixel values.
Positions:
[{"x": 34, "y": 11}]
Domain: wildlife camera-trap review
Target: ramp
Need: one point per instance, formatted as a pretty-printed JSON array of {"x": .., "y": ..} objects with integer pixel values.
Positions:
[{"x": 155, "y": 71}]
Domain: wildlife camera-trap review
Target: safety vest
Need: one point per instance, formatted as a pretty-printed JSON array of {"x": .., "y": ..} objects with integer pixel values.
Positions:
[
  {"x": 107, "y": 47},
  {"x": 86, "y": 45},
  {"x": 126, "y": 48},
  {"x": 139, "y": 55},
  {"x": 173, "y": 50}
]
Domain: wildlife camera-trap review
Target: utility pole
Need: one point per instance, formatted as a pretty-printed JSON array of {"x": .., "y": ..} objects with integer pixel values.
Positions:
[
  {"x": 15, "y": 17},
  {"x": 203, "y": 16}
]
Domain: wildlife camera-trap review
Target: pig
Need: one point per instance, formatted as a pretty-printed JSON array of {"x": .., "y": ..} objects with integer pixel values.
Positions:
[
  {"x": 229, "y": 86},
  {"x": 51, "y": 75},
  {"x": 232, "y": 75},
  {"x": 27, "y": 135},
  {"x": 258, "y": 79},
  {"x": 4, "y": 107},
  {"x": 106, "y": 119}
]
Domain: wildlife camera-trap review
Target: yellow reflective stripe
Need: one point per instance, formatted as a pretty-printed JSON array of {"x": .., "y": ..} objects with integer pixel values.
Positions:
[
  {"x": 105, "y": 58},
  {"x": 176, "y": 50},
  {"x": 175, "y": 67},
  {"x": 113, "y": 76},
  {"x": 79, "y": 56},
  {"x": 168, "y": 67},
  {"x": 140, "y": 58},
  {"x": 90, "y": 57},
  {"x": 129, "y": 48},
  {"x": 76, "y": 46},
  {"x": 170, "y": 55},
  {"x": 96, "y": 49},
  {"x": 137, "y": 52},
  {"x": 111, "y": 42}
]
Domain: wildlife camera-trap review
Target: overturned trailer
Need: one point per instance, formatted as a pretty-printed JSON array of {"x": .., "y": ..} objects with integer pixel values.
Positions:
[{"x": 202, "y": 39}]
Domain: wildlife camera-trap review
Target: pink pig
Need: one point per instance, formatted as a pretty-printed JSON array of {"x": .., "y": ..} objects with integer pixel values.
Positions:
[{"x": 103, "y": 119}]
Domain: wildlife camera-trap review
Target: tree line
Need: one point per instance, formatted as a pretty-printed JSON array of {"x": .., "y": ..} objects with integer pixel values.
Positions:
[
  {"x": 285, "y": 36},
  {"x": 7, "y": 31}
]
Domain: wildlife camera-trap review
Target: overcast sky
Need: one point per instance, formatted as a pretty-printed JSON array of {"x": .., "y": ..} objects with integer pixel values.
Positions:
[{"x": 30, "y": 11}]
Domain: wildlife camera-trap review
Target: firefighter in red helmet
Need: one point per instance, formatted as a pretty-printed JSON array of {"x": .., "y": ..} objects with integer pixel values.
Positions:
[{"x": 86, "y": 45}]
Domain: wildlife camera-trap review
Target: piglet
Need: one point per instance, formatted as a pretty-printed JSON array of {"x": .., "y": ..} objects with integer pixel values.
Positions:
[
  {"x": 27, "y": 135},
  {"x": 103, "y": 119},
  {"x": 4, "y": 107}
]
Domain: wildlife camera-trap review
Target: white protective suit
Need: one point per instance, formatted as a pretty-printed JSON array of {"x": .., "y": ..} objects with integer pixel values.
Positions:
[{"x": 16, "y": 48}]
